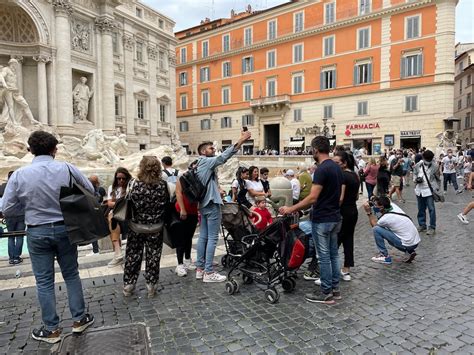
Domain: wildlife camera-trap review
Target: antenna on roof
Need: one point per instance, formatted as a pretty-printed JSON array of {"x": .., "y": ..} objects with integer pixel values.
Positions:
[{"x": 212, "y": 11}]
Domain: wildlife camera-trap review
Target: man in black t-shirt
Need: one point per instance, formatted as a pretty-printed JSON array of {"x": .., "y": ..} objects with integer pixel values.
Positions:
[
  {"x": 396, "y": 168},
  {"x": 326, "y": 218}
]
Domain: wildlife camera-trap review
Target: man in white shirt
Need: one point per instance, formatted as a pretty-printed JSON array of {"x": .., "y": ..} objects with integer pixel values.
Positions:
[
  {"x": 395, "y": 227},
  {"x": 449, "y": 163},
  {"x": 295, "y": 185},
  {"x": 169, "y": 174}
]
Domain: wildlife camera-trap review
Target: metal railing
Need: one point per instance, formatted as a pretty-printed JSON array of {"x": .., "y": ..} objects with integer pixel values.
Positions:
[{"x": 270, "y": 100}]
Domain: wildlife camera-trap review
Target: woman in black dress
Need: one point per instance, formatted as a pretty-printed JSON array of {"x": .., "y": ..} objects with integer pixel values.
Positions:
[
  {"x": 383, "y": 177},
  {"x": 349, "y": 196}
]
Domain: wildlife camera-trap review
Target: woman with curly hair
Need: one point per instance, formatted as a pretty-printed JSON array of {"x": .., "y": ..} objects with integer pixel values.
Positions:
[
  {"x": 149, "y": 196},
  {"x": 117, "y": 190}
]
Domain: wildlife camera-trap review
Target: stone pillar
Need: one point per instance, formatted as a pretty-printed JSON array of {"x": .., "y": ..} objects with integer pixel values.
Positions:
[
  {"x": 19, "y": 72},
  {"x": 172, "y": 86},
  {"x": 106, "y": 24},
  {"x": 128, "y": 45},
  {"x": 63, "y": 10},
  {"x": 154, "y": 109},
  {"x": 42, "y": 88}
]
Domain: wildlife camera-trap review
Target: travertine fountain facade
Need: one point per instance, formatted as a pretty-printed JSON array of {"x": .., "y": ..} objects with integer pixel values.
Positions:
[{"x": 90, "y": 64}]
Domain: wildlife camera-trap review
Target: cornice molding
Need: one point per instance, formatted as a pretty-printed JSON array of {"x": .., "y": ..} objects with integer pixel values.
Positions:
[{"x": 309, "y": 32}]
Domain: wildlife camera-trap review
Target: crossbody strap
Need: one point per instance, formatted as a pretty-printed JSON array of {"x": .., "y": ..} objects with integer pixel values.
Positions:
[
  {"x": 400, "y": 214},
  {"x": 426, "y": 176}
]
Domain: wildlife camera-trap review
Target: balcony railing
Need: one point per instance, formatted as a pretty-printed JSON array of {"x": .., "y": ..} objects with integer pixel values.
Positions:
[
  {"x": 142, "y": 125},
  {"x": 164, "y": 125},
  {"x": 270, "y": 100}
]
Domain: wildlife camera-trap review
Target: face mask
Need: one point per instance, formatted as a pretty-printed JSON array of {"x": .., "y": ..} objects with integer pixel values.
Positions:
[{"x": 426, "y": 162}]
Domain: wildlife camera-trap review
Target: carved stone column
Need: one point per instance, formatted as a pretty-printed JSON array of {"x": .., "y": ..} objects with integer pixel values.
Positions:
[
  {"x": 19, "y": 72},
  {"x": 42, "y": 88},
  {"x": 128, "y": 45},
  {"x": 154, "y": 109},
  {"x": 106, "y": 25},
  {"x": 172, "y": 81},
  {"x": 63, "y": 10}
]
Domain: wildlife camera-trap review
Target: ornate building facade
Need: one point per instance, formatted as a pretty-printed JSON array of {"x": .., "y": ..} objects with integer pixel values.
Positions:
[
  {"x": 375, "y": 74},
  {"x": 86, "y": 64}
]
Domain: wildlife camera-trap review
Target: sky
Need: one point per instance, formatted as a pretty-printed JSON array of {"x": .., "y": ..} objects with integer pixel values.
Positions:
[{"x": 189, "y": 13}]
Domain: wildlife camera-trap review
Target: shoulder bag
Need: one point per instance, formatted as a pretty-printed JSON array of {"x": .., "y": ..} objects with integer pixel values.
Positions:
[
  {"x": 122, "y": 208},
  {"x": 437, "y": 197},
  {"x": 82, "y": 213}
]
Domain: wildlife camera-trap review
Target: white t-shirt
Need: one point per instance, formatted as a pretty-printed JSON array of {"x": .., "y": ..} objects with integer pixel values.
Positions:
[
  {"x": 296, "y": 187},
  {"x": 117, "y": 195},
  {"x": 422, "y": 189},
  {"x": 253, "y": 185},
  {"x": 402, "y": 226},
  {"x": 449, "y": 164},
  {"x": 235, "y": 184}
]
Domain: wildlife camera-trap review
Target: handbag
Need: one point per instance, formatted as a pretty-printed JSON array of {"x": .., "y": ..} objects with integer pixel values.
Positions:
[
  {"x": 141, "y": 228},
  {"x": 437, "y": 197},
  {"x": 123, "y": 205},
  {"x": 83, "y": 215}
]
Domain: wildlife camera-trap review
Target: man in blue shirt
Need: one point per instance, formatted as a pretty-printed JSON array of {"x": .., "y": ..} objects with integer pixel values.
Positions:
[
  {"x": 34, "y": 191},
  {"x": 324, "y": 196},
  {"x": 210, "y": 206}
]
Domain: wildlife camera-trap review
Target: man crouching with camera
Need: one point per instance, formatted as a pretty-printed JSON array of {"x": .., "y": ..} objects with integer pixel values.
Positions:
[{"x": 391, "y": 224}]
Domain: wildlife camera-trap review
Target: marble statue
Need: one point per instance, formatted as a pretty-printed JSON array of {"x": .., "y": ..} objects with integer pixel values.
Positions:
[
  {"x": 81, "y": 96},
  {"x": 14, "y": 108}
]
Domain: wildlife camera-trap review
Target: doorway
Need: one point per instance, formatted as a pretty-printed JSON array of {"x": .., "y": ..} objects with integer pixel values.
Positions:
[
  {"x": 410, "y": 143},
  {"x": 272, "y": 137},
  {"x": 366, "y": 144}
]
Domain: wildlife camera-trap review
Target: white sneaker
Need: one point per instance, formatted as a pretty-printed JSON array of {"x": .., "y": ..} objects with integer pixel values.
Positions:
[
  {"x": 199, "y": 274},
  {"x": 346, "y": 276},
  {"x": 92, "y": 254},
  {"x": 117, "y": 260},
  {"x": 317, "y": 282},
  {"x": 189, "y": 265},
  {"x": 213, "y": 277},
  {"x": 181, "y": 270},
  {"x": 463, "y": 218}
]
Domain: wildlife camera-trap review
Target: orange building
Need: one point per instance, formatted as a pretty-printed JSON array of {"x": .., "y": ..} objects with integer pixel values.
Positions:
[{"x": 376, "y": 73}]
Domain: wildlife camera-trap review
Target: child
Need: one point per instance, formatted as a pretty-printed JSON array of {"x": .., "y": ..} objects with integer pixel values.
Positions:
[{"x": 261, "y": 209}]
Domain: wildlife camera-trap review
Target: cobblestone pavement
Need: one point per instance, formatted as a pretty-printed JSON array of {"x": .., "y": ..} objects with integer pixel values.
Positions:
[{"x": 402, "y": 308}]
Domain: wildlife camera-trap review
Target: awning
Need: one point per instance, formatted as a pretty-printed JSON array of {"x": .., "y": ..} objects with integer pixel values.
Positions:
[{"x": 297, "y": 144}]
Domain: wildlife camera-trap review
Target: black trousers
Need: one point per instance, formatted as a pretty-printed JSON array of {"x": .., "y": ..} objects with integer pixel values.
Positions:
[
  {"x": 185, "y": 229},
  {"x": 346, "y": 235}
]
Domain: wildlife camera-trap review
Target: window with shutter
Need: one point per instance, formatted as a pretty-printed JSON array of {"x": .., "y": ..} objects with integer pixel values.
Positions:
[
  {"x": 412, "y": 27},
  {"x": 297, "y": 53},
  {"x": 329, "y": 10},
  {"x": 328, "y": 79},
  {"x": 184, "y": 102},
  {"x": 205, "y": 98},
  {"x": 411, "y": 103},
  {"x": 328, "y": 46},
  {"x": 272, "y": 29},
  {"x": 247, "y": 92},
  {"x": 226, "y": 122},
  {"x": 364, "y": 7},
  {"x": 298, "y": 21},
  {"x": 271, "y": 87},
  {"x": 226, "y": 43},
  {"x": 362, "y": 108},
  {"x": 297, "y": 84},
  {"x": 271, "y": 58},
  {"x": 297, "y": 115},
  {"x": 183, "y": 126},
  {"x": 363, "y": 38},
  {"x": 412, "y": 65},
  {"x": 225, "y": 95},
  {"x": 362, "y": 73},
  {"x": 205, "y": 49},
  {"x": 248, "y": 36},
  {"x": 205, "y": 124},
  {"x": 183, "y": 55},
  {"x": 247, "y": 120},
  {"x": 327, "y": 111}
]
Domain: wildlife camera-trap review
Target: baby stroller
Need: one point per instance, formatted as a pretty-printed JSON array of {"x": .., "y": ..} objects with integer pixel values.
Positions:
[
  {"x": 270, "y": 258},
  {"x": 236, "y": 223}
]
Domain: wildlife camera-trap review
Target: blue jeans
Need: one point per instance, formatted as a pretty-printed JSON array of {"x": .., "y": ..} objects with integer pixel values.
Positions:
[
  {"x": 450, "y": 177},
  {"x": 423, "y": 203},
  {"x": 382, "y": 234},
  {"x": 44, "y": 244},
  {"x": 370, "y": 189},
  {"x": 15, "y": 244},
  {"x": 325, "y": 239},
  {"x": 208, "y": 235}
]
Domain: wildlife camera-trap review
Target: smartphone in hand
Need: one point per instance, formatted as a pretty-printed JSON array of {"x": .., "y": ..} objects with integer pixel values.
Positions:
[{"x": 245, "y": 128}]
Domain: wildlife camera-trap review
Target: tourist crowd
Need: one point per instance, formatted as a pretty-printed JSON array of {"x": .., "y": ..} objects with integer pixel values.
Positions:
[{"x": 330, "y": 188}]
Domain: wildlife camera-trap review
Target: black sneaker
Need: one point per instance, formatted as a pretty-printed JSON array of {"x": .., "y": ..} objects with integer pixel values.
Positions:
[
  {"x": 11, "y": 262},
  {"x": 410, "y": 257},
  {"x": 336, "y": 294},
  {"x": 319, "y": 297},
  {"x": 47, "y": 336},
  {"x": 83, "y": 324}
]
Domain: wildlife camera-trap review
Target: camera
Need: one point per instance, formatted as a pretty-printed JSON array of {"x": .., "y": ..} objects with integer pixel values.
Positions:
[{"x": 419, "y": 180}]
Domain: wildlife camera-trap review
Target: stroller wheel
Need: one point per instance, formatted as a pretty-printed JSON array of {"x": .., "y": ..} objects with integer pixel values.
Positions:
[
  {"x": 224, "y": 260},
  {"x": 272, "y": 295},
  {"x": 230, "y": 287},
  {"x": 288, "y": 284},
  {"x": 247, "y": 279},
  {"x": 236, "y": 286}
]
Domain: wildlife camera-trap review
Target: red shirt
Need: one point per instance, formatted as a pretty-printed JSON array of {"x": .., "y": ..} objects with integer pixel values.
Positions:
[
  {"x": 191, "y": 208},
  {"x": 266, "y": 218}
]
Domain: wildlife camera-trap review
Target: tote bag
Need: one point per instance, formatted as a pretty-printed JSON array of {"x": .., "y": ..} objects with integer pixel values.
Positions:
[{"x": 83, "y": 216}]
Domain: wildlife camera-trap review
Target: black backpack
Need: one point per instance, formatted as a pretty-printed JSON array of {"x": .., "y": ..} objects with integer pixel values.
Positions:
[{"x": 192, "y": 186}]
